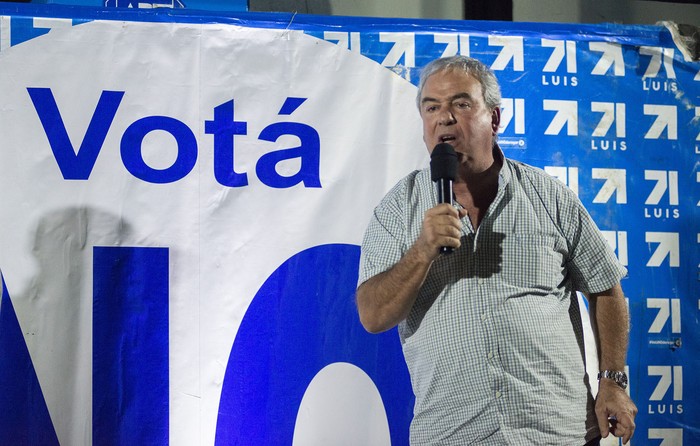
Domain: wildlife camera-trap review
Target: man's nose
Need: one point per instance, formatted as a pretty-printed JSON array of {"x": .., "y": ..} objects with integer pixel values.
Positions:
[{"x": 447, "y": 117}]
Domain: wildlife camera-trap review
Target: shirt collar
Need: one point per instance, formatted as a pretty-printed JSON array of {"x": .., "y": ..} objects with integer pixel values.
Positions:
[{"x": 504, "y": 174}]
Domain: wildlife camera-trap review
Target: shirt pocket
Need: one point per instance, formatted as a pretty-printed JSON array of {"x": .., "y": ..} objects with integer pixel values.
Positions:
[{"x": 533, "y": 262}]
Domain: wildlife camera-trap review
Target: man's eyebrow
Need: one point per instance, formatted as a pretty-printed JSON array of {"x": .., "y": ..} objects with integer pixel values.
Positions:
[{"x": 462, "y": 95}]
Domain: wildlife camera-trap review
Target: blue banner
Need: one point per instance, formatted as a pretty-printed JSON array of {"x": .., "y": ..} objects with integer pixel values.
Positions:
[{"x": 184, "y": 196}]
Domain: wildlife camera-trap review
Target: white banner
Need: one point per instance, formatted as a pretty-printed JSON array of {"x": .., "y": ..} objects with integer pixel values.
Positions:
[{"x": 234, "y": 148}]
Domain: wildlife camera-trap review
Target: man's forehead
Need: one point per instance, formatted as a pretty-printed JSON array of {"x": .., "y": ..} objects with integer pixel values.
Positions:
[{"x": 459, "y": 85}]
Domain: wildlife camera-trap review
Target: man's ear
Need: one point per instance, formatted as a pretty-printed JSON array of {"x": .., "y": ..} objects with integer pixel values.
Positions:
[{"x": 495, "y": 120}]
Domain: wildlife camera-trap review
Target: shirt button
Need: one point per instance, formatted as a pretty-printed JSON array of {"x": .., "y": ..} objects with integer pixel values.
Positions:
[
  {"x": 484, "y": 316},
  {"x": 498, "y": 394},
  {"x": 481, "y": 281},
  {"x": 490, "y": 355}
]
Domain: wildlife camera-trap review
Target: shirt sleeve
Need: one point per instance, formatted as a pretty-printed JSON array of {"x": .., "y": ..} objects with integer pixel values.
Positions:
[
  {"x": 384, "y": 240},
  {"x": 592, "y": 264}
]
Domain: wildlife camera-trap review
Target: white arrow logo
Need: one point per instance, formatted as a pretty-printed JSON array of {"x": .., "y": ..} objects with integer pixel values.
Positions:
[
  {"x": 513, "y": 108},
  {"x": 664, "y": 181},
  {"x": 567, "y": 175},
  {"x": 669, "y": 437},
  {"x": 615, "y": 183},
  {"x": 618, "y": 242},
  {"x": 669, "y": 375},
  {"x": 656, "y": 54},
  {"x": 669, "y": 246},
  {"x": 666, "y": 118},
  {"x": 456, "y": 43},
  {"x": 512, "y": 50},
  {"x": 404, "y": 46},
  {"x": 561, "y": 48},
  {"x": 567, "y": 114},
  {"x": 349, "y": 41},
  {"x": 612, "y": 113},
  {"x": 612, "y": 57},
  {"x": 667, "y": 307}
]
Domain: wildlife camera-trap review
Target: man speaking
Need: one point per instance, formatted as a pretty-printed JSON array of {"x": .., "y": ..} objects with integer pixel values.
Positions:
[{"x": 490, "y": 329}]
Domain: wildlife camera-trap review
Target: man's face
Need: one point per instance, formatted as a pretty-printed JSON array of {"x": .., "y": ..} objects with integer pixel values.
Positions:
[{"x": 453, "y": 111}]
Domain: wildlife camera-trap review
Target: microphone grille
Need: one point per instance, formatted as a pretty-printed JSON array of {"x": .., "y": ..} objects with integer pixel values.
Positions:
[{"x": 443, "y": 162}]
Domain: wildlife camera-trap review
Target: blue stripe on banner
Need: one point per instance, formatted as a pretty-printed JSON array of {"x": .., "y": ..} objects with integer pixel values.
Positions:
[
  {"x": 130, "y": 346},
  {"x": 24, "y": 418},
  {"x": 637, "y": 35}
]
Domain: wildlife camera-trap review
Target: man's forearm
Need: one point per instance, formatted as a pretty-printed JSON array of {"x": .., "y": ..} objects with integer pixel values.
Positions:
[
  {"x": 614, "y": 409},
  {"x": 386, "y": 299},
  {"x": 611, "y": 323}
]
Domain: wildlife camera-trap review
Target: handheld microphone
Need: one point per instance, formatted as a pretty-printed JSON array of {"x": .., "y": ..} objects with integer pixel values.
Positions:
[{"x": 443, "y": 171}]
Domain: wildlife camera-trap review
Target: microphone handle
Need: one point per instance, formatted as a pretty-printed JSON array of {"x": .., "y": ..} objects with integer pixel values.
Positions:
[{"x": 444, "y": 192}]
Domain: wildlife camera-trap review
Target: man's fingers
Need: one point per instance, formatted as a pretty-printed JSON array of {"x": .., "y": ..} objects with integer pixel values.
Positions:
[
  {"x": 615, "y": 428},
  {"x": 603, "y": 426},
  {"x": 624, "y": 427},
  {"x": 621, "y": 432},
  {"x": 449, "y": 230},
  {"x": 442, "y": 226},
  {"x": 615, "y": 411},
  {"x": 603, "y": 420},
  {"x": 443, "y": 208},
  {"x": 449, "y": 236}
]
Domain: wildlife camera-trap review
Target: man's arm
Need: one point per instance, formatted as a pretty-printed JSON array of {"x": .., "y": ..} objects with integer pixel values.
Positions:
[
  {"x": 386, "y": 299},
  {"x": 610, "y": 320}
]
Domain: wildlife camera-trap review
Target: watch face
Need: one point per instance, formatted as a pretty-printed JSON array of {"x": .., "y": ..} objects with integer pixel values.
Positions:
[{"x": 621, "y": 379}]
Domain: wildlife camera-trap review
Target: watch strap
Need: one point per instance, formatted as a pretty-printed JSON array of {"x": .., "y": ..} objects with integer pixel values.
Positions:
[{"x": 619, "y": 377}]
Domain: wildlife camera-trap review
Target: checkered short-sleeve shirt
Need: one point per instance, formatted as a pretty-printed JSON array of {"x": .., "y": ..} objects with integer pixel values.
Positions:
[{"x": 492, "y": 342}]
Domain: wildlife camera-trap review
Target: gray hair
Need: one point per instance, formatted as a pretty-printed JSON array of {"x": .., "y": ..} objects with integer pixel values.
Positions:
[{"x": 473, "y": 67}]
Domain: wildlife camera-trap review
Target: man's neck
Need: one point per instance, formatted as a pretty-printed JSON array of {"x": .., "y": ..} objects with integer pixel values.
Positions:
[{"x": 477, "y": 191}]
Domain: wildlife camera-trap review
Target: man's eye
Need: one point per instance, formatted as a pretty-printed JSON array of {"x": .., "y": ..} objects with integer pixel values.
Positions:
[{"x": 463, "y": 105}]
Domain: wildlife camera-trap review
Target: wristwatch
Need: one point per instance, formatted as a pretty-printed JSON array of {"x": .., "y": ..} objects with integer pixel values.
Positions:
[{"x": 620, "y": 378}]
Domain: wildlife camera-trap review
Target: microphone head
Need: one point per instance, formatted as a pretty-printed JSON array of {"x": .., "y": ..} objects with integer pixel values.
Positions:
[{"x": 443, "y": 163}]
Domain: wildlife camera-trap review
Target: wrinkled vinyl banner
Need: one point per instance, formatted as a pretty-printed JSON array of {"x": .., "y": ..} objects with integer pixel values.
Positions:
[{"x": 182, "y": 199}]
